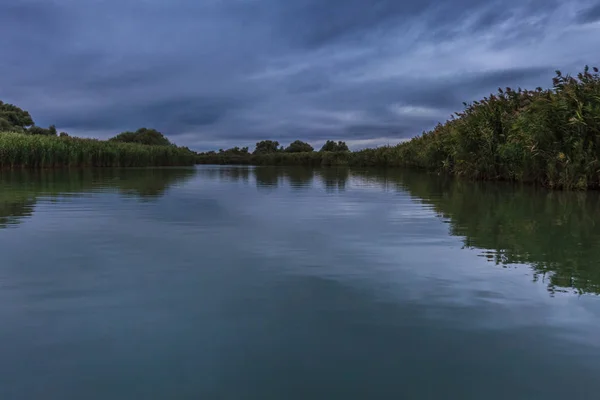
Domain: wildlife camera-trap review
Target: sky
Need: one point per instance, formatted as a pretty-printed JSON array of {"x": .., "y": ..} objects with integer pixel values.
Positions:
[{"x": 214, "y": 74}]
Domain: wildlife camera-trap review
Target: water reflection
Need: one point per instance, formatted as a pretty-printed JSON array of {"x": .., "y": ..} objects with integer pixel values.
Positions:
[
  {"x": 300, "y": 178},
  {"x": 20, "y": 190},
  {"x": 556, "y": 233},
  {"x": 334, "y": 179},
  {"x": 268, "y": 177},
  {"x": 12, "y": 210}
]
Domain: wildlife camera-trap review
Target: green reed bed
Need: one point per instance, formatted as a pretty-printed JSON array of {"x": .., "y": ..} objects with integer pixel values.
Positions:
[
  {"x": 550, "y": 137},
  {"x": 35, "y": 151}
]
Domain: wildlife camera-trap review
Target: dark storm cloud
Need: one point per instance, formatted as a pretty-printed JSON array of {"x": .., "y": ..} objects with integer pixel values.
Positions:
[
  {"x": 168, "y": 115},
  {"x": 29, "y": 14},
  {"x": 318, "y": 23},
  {"x": 589, "y": 15},
  {"x": 219, "y": 73}
]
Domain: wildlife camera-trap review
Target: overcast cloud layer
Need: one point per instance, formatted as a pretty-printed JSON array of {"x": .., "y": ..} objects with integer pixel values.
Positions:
[{"x": 220, "y": 73}]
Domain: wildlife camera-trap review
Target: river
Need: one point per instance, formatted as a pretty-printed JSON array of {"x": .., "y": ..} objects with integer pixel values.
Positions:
[{"x": 291, "y": 283}]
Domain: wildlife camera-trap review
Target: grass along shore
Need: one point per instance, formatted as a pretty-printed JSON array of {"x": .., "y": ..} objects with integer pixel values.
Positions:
[
  {"x": 547, "y": 137},
  {"x": 19, "y": 150}
]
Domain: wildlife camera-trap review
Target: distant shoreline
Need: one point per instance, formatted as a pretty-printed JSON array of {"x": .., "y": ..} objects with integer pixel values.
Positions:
[{"x": 544, "y": 137}]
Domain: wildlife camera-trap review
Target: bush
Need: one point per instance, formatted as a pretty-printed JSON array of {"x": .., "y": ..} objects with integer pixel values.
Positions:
[
  {"x": 299, "y": 146},
  {"x": 13, "y": 119},
  {"x": 36, "y": 130},
  {"x": 330, "y": 145},
  {"x": 266, "y": 146},
  {"x": 150, "y": 137},
  {"x": 550, "y": 137}
]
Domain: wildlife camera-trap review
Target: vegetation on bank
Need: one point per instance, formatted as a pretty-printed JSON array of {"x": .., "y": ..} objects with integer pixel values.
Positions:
[
  {"x": 149, "y": 137},
  {"x": 25, "y": 145},
  {"x": 549, "y": 137},
  {"x": 18, "y": 150},
  {"x": 269, "y": 152}
]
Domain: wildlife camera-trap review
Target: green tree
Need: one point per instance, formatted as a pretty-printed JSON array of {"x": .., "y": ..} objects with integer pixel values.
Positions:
[
  {"x": 37, "y": 130},
  {"x": 146, "y": 136},
  {"x": 266, "y": 147},
  {"x": 12, "y": 118},
  {"x": 235, "y": 150},
  {"x": 332, "y": 146},
  {"x": 5, "y": 126},
  {"x": 299, "y": 146}
]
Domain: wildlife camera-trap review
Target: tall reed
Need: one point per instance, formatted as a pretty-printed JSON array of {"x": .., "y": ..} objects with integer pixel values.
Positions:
[{"x": 35, "y": 151}]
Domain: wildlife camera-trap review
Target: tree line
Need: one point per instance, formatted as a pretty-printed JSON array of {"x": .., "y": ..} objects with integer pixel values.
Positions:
[
  {"x": 547, "y": 137},
  {"x": 15, "y": 119},
  {"x": 23, "y": 144},
  {"x": 272, "y": 147}
]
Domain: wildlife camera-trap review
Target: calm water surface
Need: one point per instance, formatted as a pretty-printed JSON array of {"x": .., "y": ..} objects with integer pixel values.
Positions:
[{"x": 267, "y": 283}]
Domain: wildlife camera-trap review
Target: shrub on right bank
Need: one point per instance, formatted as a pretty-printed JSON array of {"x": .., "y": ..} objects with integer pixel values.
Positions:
[{"x": 550, "y": 137}]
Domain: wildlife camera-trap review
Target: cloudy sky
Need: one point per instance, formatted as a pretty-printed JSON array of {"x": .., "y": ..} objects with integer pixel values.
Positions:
[{"x": 219, "y": 73}]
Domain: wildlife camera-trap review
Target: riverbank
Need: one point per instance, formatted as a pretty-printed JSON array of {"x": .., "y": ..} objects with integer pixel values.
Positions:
[
  {"x": 546, "y": 137},
  {"x": 19, "y": 150}
]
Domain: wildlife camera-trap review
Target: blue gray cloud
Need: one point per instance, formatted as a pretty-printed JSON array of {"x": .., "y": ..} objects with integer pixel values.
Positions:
[
  {"x": 589, "y": 14},
  {"x": 218, "y": 73}
]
